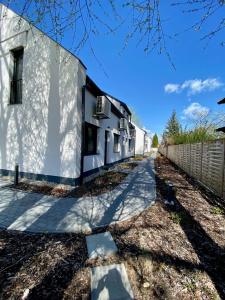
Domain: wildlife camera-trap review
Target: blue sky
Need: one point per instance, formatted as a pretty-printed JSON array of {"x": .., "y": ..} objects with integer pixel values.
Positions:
[
  {"x": 139, "y": 78},
  {"x": 147, "y": 82}
]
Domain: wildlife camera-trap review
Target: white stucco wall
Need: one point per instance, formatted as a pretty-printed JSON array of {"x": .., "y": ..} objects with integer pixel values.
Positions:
[
  {"x": 111, "y": 125},
  {"x": 148, "y": 143},
  {"x": 139, "y": 140},
  {"x": 43, "y": 134}
]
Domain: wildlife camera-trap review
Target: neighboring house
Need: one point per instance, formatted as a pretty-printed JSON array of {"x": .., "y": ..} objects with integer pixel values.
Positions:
[
  {"x": 142, "y": 141},
  {"x": 55, "y": 122},
  {"x": 148, "y": 143},
  {"x": 221, "y": 128}
]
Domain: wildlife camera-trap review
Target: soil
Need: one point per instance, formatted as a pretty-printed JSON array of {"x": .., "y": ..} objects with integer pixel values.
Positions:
[
  {"x": 97, "y": 186},
  {"x": 173, "y": 250}
]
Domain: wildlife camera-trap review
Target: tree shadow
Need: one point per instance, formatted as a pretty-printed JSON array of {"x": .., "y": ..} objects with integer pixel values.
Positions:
[{"x": 211, "y": 256}]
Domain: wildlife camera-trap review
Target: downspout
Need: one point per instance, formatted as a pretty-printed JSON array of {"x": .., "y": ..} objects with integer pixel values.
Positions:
[
  {"x": 144, "y": 145},
  {"x": 82, "y": 136}
]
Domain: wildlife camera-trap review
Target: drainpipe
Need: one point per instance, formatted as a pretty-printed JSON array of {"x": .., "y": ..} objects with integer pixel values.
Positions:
[{"x": 82, "y": 135}]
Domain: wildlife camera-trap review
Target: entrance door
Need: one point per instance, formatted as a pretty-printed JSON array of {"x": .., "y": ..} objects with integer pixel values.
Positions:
[{"x": 106, "y": 147}]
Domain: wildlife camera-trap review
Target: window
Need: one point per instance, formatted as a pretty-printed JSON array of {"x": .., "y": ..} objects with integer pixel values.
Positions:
[
  {"x": 130, "y": 145},
  {"x": 90, "y": 145},
  {"x": 116, "y": 142},
  {"x": 16, "y": 82}
]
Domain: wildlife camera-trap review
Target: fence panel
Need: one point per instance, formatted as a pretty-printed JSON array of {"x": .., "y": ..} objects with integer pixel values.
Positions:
[
  {"x": 203, "y": 161},
  {"x": 186, "y": 157},
  {"x": 196, "y": 161},
  {"x": 213, "y": 165}
]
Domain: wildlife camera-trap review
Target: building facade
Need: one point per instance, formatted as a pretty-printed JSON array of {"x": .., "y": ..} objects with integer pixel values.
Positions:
[{"x": 51, "y": 123}]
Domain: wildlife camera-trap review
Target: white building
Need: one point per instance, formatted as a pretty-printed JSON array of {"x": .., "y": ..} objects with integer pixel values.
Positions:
[
  {"x": 142, "y": 141},
  {"x": 55, "y": 122}
]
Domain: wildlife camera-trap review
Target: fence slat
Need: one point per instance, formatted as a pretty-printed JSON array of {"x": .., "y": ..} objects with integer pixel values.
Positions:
[{"x": 203, "y": 161}]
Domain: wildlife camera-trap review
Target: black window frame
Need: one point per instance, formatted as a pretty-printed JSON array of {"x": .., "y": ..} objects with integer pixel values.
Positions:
[
  {"x": 116, "y": 142},
  {"x": 16, "y": 83},
  {"x": 130, "y": 145},
  {"x": 94, "y": 130}
]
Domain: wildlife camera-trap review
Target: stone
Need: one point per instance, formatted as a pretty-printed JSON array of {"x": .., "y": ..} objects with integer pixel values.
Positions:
[
  {"x": 110, "y": 283},
  {"x": 100, "y": 245}
]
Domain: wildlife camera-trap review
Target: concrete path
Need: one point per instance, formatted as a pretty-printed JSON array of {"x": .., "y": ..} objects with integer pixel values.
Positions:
[
  {"x": 110, "y": 283},
  {"x": 39, "y": 213}
]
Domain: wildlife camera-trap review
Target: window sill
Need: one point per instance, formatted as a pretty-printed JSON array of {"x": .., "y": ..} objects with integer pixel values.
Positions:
[
  {"x": 91, "y": 154},
  {"x": 12, "y": 104}
]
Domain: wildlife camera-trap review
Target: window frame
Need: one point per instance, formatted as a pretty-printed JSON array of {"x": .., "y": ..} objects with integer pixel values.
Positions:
[
  {"x": 95, "y": 139},
  {"x": 116, "y": 145},
  {"x": 130, "y": 145},
  {"x": 16, "y": 82}
]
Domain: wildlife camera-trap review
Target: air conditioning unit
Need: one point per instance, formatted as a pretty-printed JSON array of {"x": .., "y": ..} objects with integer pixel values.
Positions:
[
  {"x": 132, "y": 133},
  {"x": 123, "y": 124},
  {"x": 102, "y": 107}
]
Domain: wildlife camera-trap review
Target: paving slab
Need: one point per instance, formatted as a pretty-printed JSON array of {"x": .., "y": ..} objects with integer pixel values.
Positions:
[
  {"x": 100, "y": 245},
  {"x": 110, "y": 283},
  {"x": 4, "y": 183}
]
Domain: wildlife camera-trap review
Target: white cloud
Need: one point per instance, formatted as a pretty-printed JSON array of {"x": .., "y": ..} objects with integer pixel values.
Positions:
[
  {"x": 171, "y": 88},
  {"x": 194, "y": 86},
  {"x": 194, "y": 111}
]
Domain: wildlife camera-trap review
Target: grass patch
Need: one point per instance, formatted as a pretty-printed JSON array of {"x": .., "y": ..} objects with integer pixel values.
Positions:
[
  {"x": 216, "y": 210},
  {"x": 179, "y": 217}
]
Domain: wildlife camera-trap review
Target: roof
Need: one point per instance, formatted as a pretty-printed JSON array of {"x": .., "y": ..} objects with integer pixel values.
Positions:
[
  {"x": 221, "y": 129},
  {"x": 135, "y": 125},
  {"x": 31, "y": 24},
  {"x": 121, "y": 102},
  {"x": 96, "y": 91},
  {"x": 222, "y": 101},
  {"x": 92, "y": 87}
]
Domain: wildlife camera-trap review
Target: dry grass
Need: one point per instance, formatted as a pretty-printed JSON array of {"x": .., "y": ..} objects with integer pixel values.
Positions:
[{"x": 97, "y": 186}]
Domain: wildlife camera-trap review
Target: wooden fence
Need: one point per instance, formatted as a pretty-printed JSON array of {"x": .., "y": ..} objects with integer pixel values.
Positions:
[{"x": 203, "y": 161}]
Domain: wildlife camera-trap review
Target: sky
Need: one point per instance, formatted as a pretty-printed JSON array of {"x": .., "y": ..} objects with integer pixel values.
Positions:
[
  {"x": 147, "y": 82},
  {"x": 150, "y": 85}
]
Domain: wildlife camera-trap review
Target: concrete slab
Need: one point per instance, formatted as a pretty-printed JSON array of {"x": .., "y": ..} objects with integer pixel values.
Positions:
[
  {"x": 100, "y": 245},
  {"x": 4, "y": 183},
  {"x": 110, "y": 283}
]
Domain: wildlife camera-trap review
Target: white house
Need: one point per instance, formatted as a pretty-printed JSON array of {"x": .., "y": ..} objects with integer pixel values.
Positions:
[
  {"x": 142, "y": 142},
  {"x": 55, "y": 122}
]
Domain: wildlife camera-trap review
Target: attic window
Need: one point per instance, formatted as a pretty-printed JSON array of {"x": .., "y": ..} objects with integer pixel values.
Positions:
[{"x": 16, "y": 82}]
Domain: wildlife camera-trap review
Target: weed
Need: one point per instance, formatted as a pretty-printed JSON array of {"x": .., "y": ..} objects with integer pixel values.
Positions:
[{"x": 216, "y": 210}]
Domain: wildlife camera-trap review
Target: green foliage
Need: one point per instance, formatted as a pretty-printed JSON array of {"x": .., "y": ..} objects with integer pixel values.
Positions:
[
  {"x": 155, "y": 141},
  {"x": 199, "y": 134},
  {"x": 180, "y": 217},
  {"x": 201, "y": 130},
  {"x": 173, "y": 126},
  {"x": 216, "y": 210}
]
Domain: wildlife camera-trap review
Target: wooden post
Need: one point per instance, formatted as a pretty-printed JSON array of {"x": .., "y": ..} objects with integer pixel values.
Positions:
[{"x": 16, "y": 175}]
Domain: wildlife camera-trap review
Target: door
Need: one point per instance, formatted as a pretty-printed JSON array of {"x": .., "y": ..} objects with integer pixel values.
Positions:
[{"x": 106, "y": 147}]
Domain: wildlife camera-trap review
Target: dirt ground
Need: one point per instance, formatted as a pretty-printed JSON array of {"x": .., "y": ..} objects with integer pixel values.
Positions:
[
  {"x": 97, "y": 186},
  {"x": 173, "y": 250}
]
